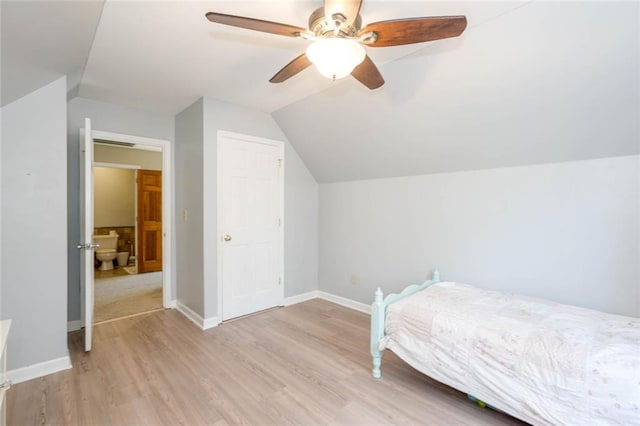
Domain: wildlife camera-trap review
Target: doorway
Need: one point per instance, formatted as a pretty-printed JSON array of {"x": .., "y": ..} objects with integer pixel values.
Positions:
[
  {"x": 128, "y": 245},
  {"x": 127, "y": 216}
]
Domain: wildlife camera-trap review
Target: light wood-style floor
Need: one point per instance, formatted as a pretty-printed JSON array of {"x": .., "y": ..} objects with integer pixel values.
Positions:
[{"x": 304, "y": 364}]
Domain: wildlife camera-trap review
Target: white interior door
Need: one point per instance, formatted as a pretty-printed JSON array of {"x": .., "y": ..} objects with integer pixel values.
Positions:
[
  {"x": 86, "y": 245},
  {"x": 251, "y": 219}
]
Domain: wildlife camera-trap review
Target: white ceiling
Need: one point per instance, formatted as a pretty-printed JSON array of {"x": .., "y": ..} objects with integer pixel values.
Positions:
[
  {"x": 161, "y": 55},
  {"x": 165, "y": 55},
  {"x": 43, "y": 40},
  {"x": 527, "y": 82}
]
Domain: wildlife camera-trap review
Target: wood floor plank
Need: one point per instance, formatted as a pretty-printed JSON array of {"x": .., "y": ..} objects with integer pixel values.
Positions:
[{"x": 304, "y": 364}]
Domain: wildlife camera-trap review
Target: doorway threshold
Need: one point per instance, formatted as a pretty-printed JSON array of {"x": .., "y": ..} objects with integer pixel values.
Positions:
[
  {"x": 250, "y": 315},
  {"x": 128, "y": 316}
]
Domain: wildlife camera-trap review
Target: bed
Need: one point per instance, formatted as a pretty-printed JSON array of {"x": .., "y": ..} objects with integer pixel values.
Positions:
[{"x": 539, "y": 361}]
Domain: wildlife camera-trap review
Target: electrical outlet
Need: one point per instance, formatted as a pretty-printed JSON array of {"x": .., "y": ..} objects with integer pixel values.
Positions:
[{"x": 354, "y": 279}]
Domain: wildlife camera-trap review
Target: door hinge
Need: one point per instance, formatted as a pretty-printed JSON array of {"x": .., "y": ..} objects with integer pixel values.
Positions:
[
  {"x": 279, "y": 280},
  {"x": 279, "y": 222},
  {"x": 279, "y": 163}
]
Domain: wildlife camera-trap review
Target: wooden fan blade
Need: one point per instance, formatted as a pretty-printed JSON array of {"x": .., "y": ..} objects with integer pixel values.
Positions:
[
  {"x": 367, "y": 73},
  {"x": 415, "y": 30},
  {"x": 255, "y": 24},
  {"x": 347, "y": 8},
  {"x": 292, "y": 68}
]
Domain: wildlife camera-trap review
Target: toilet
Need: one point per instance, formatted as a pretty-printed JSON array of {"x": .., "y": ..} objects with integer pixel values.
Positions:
[{"x": 107, "y": 250}]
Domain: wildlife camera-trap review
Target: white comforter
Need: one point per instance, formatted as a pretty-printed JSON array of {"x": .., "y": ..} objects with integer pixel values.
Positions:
[{"x": 539, "y": 361}]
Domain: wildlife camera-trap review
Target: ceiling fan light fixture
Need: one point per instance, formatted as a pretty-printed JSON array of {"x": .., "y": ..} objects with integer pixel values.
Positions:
[{"x": 335, "y": 57}]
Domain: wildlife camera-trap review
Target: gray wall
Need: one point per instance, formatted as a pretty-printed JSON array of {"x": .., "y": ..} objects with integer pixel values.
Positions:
[
  {"x": 301, "y": 198},
  {"x": 1, "y": 132},
  {"x": 188, "y": 197},
  {"x": 196, "y": 183},
  {"x": 34, "y": 217},
  {"x": 300, "y": 193},
  {"x": 567, "y": 232},
  {"x": 109, "y": 118}
]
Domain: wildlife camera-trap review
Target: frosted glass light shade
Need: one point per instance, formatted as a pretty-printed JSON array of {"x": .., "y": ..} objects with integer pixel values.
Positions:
[{"x": 335, "y": 57}]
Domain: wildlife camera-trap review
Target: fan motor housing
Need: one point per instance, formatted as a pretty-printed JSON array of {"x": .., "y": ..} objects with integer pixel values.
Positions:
[{"x": 321, "y": 25}]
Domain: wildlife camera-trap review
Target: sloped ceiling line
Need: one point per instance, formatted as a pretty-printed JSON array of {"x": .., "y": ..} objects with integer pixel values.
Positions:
[
  {"x": 43, "y": 41},
  {"x": 72, "y": 92},
  {"x": 550, "y": 82}
]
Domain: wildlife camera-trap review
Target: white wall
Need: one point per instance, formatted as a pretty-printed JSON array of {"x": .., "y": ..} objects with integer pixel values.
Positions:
[
  {"x": 568, "y": 232},
  {"x": 113, "y": 197},
  {"x": 109, "y": 118},
  {"x": 188, "y": 197},
  {"x": 34, "y": 217}
]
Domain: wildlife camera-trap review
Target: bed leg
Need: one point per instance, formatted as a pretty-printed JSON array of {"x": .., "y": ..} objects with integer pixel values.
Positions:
[
  {"x": 377, "y": 361},
  {"x": 377, "y": 332}
]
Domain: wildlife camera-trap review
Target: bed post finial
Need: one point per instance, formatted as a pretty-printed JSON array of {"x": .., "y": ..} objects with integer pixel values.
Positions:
[
  {"x": 436, "y": 275},
  {"x": 378, "y": 296}
]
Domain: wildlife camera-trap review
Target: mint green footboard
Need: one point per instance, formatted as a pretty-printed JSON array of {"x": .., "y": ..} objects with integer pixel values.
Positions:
[{"x": 378, "y": 316}]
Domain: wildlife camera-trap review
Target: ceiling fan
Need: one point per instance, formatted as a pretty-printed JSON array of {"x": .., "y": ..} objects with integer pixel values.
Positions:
[{"x": 338, "y": 39}]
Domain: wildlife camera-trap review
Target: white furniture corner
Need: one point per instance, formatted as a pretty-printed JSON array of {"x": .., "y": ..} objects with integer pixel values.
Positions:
[{"x": 5, "y": 325}]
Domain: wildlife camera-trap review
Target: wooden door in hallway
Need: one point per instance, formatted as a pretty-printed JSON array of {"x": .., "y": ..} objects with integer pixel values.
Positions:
[{"x": 149, "y": 221}]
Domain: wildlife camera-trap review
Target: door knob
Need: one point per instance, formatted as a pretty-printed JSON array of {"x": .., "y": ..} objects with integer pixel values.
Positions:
[
  {"x": 227, "y": 238},
  {"x": 88, "y": 246}
]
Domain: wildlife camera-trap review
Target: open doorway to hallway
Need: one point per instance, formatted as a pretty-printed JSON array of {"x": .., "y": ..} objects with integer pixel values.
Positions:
[{"x": 128, "y": 227}]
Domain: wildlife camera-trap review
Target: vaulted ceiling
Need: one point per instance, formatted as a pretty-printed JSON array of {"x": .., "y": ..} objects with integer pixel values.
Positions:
[{"x": 528, "y": 82}]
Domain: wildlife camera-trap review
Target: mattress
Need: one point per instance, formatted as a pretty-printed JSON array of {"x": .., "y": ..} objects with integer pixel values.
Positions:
[{"x": 540, "y": 361}]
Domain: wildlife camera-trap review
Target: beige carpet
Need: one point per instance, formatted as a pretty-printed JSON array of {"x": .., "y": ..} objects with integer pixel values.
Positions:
[
  {"x": 127, "y": 295},
  {"x": 131, "y": 270}
]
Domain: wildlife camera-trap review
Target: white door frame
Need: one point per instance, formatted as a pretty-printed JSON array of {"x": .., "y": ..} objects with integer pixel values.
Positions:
[
  {"x": 168, "y": 299},
  {"x": 220, "y": 232}
]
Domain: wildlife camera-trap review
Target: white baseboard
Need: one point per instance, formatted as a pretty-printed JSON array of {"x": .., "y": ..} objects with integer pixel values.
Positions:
[
  {"x": 206, "y": 323},
  {"x": 343, "y": 301},
  {"x": 299, "y": 298},
  {"x": 74, "y": 325},
  {"x": 210, "y": 323},
  {"x": 34, "y": 371},
  {"x": 203, "y": 323},
  {"x": 338, "y": 300},
  {"x": 173, "y": 304}
]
